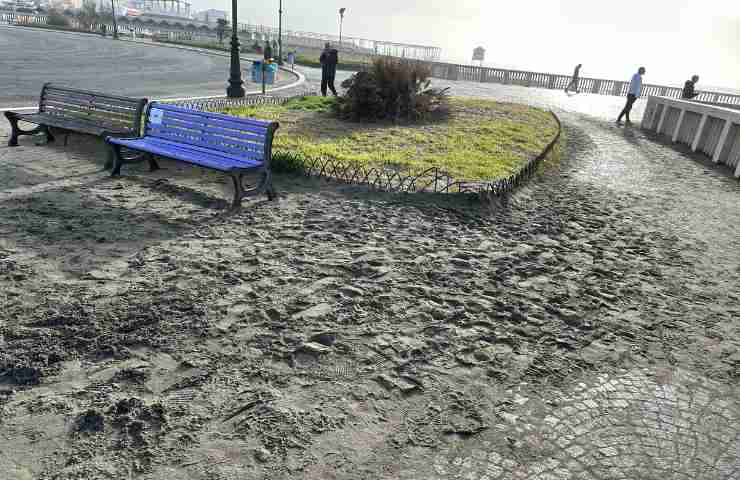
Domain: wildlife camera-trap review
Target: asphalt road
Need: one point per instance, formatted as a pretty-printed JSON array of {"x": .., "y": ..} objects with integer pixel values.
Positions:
[{"x": 30, "y": 57}]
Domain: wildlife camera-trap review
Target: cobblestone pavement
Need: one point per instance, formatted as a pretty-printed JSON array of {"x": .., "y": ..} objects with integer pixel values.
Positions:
[{"x": 586, "y": 330}]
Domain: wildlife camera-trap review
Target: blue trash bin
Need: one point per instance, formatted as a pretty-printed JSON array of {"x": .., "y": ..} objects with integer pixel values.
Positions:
[
  {"x": 271, "y": 70},
  {"x": 257, "y": 71}
]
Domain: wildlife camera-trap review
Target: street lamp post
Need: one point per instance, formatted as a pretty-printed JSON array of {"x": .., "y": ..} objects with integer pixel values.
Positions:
[
  {"x": 280, "y": 33},
  {"x": 115, "y": 27},
  {"x": 235, "y": 88},
  {"x": 341, "y": 21}
]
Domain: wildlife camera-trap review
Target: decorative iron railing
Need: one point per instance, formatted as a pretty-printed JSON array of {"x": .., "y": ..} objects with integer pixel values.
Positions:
[{"x": 390, "y": 179}]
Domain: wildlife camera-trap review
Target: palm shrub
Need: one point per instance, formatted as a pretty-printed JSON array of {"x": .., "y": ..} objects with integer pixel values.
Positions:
[{"x": 391, "y": 88}]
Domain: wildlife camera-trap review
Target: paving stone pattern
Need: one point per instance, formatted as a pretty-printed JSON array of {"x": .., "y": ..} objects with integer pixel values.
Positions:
[{"x": 588, "y": 329}]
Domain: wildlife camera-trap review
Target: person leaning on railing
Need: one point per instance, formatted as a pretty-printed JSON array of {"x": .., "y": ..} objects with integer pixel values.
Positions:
[
  {"x": 633, "y": 93},
  {"x": 688, "y": 88}
]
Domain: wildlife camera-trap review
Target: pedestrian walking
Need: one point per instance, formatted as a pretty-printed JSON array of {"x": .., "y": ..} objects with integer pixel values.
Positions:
[
  {"x": 633, "y": 93},
  {"x": 328, "y": 59},
  {"x": 291, "y": 59},
  {"x": 574, "y": 80},
  {"x": 688, "y": 88}
]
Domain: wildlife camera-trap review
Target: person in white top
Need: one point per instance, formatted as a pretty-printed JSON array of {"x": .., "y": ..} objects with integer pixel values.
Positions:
[{"x": 633, "y": 93}]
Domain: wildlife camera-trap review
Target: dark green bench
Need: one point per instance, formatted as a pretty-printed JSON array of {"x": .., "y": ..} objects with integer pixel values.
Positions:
[{"x": 82, "y": 111}]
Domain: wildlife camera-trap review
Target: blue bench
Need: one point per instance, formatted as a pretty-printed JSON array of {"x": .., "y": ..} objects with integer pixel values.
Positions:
[{"x": 220, "y": 142}]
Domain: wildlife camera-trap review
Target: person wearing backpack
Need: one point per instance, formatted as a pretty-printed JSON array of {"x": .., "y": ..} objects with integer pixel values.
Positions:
[{"x": 328, "y": 59}]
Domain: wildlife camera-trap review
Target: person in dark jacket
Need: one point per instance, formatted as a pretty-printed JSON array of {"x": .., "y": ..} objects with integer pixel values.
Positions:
[
  {"x": 329, "y": 59},
  {"x": 688, "y": 88},
  {"x": 573, "y": 85}
]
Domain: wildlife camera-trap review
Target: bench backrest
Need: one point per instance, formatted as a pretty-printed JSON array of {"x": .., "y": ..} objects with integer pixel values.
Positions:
[
  {"x": 234, "y": 136},
  {"x": 109, "y": 112}
]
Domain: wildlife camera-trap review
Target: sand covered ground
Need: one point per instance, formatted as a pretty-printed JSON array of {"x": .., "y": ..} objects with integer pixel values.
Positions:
[{"x": 587, "y": 330}]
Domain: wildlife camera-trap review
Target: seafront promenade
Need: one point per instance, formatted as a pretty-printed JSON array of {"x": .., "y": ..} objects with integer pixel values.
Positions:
[{"x": 586, "y": 330}]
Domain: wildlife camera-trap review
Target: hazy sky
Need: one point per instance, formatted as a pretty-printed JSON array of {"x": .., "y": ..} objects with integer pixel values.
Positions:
[{"x": 672, "y": 38}]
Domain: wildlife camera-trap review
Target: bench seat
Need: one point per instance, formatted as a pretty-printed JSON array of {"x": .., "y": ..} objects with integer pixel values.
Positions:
[{"x": 186, "y": 153}]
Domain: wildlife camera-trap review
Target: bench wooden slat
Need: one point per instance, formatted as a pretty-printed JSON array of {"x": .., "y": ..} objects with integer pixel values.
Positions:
[
  {"x": 256, "y": 129},
  {"x": 214, "y": 116},
  {"x": 60, "y": 118},
  {"x": 259, "y": 129},
  {"x": 92, "y": 121},
  {"x": 53, "y": 99},
  {"x": 208, "y": 142},
  {"x": 250, "y": 137},
  {"x": 53, "y": 87},
  {"x": 72, "y": 100},
  {"x": 69, "y": 123},
  {"x": 256, "y": 153},
  {"x": 85, "y": 98},
  {"x": 63, "y": 107}
]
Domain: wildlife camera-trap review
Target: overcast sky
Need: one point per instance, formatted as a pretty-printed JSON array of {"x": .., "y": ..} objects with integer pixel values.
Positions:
[{"x": 673, "y": 39}]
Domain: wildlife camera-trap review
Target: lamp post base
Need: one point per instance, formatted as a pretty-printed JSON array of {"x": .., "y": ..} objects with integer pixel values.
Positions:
[{"x": 235, "y": 89}]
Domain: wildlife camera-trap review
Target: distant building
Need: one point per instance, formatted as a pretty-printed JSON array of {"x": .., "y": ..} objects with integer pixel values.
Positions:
[
  {"x": 479, "y": 54},
  {"x": 25, "y": 5},
  {"x": 211, "y": 15}
]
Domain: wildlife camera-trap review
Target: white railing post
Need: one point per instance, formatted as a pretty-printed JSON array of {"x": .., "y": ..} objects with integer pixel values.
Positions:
[
  {"x": 662, "y": 118},
  {"x": 677, "y": 129},
  {"x": 722, "y": 140},
  {"x": 699, "y": 130},
  {"x": 617, "y": 90}
]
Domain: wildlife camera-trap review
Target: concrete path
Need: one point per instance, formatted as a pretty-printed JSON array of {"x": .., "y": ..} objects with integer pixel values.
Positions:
[{"x": 588, "y": 331}]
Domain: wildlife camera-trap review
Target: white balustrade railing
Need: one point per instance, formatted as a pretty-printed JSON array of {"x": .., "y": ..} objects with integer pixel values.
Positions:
[
  {"x": 710, "y": 129},
  {"x": 449, "y": 71}
]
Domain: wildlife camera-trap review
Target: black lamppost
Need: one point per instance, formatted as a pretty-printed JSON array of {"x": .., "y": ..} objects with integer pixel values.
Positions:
[
  {"x": 341, "y": 20},
  {"x": 235, "y": 88},
  {"x": 280, "y": 33},
  {"x": 115, "y": 27}
]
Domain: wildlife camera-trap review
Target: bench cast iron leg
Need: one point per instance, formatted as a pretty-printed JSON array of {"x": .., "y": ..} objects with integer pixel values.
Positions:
[
  {"x": 50, "y": 138},
  {"x": 13, "y": 142},
  {"x": 153, "y": 165},
  {"x": 18, "y": 131},
  {"x": 109, "y": 158},
  {"x": 238, "y": 189},
  {"x": 117, "y": 160},
  {"x": 269, "y": 189}
]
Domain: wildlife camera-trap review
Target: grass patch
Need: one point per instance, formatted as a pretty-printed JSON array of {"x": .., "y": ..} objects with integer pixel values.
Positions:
[{"x": 479, "y": 140}]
